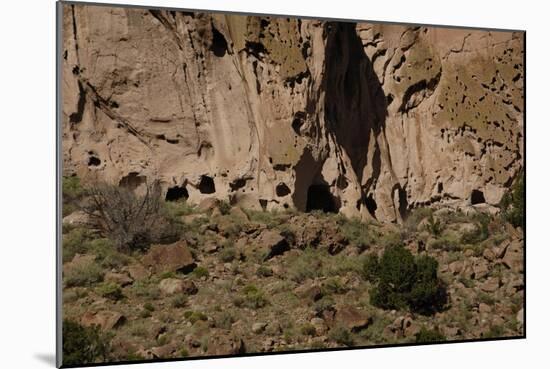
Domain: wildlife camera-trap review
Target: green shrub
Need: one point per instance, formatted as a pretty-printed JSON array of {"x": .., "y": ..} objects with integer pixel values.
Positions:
[
  {"x": 513, "y": 203},
  {"x": 434, "y": 226},
  {"x": 333, "y": 285},
  {"x": 264, "y": 271},
  {"x": 225, "y": 320},
  {"x": 194, "y": 316},
  {"x": 356, "y": 232},
  {"x": 341, "y": 335},
  {"x": 148, "y": 306},
  {"x": 305, "y": 266},
  {"x": 227, "y": 254},
  {"x": 414, "y": 218},
  {"x": 429, "y": 335},
  {"x": 200, "y": 272},
  {"x": 83, "y": 345},
  {"x": 75, "y": 242},
  {"x": 405, "y": 281},
  {"x": 179, "y": 301},
  {"x": 177, "y": 209},
  {"x": 481, "y": 231},
  {"x": 110, "y": 290},
  {"x": 71, "y": 192},
  {"x": 325, "y": 303},
  {"x": 254, "y": 297},
  {"x": 308, "y": 330},
  {"x": 448, "y": 242},
  {"x": 224, "y": 207},
  {"x": 371, "y": 267}
]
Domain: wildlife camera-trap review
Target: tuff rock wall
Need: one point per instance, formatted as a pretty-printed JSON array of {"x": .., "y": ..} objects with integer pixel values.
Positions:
[{"x": 366, "y": 119}]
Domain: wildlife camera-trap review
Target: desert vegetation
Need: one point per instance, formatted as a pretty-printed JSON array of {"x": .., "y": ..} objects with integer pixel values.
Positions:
[{"x": 148, "y": 278}]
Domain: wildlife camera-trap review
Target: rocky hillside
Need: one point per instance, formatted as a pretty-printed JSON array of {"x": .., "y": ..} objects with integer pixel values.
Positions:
[
  {"x": 249, "y": 281},
  {"x": 364, "y": 119}
]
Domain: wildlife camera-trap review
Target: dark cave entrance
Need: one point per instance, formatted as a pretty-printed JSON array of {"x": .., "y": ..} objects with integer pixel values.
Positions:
[
  {"x": 177, "y": 193},
  {"x": 219, "y": 44},
  {"x": 320, "y": 198},
  {"x": 206, "y": 185},
  {"x": 371, "y": 205},
  {"x": 477, "y": 197}
]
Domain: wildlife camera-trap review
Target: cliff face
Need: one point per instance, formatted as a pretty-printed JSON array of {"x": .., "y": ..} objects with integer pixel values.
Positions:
[{"x": 366, "y": 119}]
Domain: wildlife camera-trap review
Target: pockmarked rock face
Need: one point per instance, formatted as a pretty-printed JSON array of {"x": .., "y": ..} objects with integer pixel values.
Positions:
[{"x": 364, "y": 119}]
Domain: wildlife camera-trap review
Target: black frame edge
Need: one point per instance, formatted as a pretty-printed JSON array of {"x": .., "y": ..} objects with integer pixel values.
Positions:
[{"x": 59, "y": 305}]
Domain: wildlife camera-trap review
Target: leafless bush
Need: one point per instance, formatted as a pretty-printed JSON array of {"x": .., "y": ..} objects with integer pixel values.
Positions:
[{"x": 132, "y": 221}]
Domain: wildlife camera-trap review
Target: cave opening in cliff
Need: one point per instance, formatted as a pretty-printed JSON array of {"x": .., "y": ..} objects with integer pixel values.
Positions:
[
  {"x": 371, "y": 205},
  {"x": 206, "y": 185},
  {"x": 219, "y": 44},
  {"x": 477, "y": 197},
  {"x": 320, "y": 198},
  {"x": 282, "y": 189},
  {"x": 94, "y": 161},
  {"x": 177, "y": 193}
]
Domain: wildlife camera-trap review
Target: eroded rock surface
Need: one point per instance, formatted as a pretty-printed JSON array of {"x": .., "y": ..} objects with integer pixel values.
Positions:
[{"x": 364, "y": 119}]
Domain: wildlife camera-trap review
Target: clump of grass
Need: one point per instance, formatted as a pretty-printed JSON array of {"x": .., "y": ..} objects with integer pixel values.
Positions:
[
  {"x": 306, "y": 265},
  {"x": 375, "y": 331},
  {"x": 308, "y": 330},
  {"x": 481, "y": 231},
  {"x": 333, "y": 286},
  {"x": 272, "y": 219},
  {"x": 227, "y": 254},
  {"x": 340, "y": 264},
  {"x": 434, "y": 226},
  {"x": 177, "y": 209},
  {"x": 145, "y": 289},
  {"x": 495, "y": 331},
  {"x": 448, "y": 242},
  {"x": 254, "y": 297},
  {"x": 194, "y": 316},
  {"x": 138, "y": 329},
  {"x": 178, "y": 301},
  {"x": 415, "y": 217},
  {"x": 76, "y": 242},
  {"x": 224, "y": 207},
  {"x": 429, "y": 335},
  {"x": 325, "y": 303},
  {"x": 225, "y": 320},
  {"x": 200, "y": 272},
  {"x": 341, "y": 336},
  {"x": 71, "y": 191},
  {"x": 83, "y": 274},
  {"x": 264, "y": 271},
  {"x": 356, "y": 232},
  {"x": 110, "y": 290}
]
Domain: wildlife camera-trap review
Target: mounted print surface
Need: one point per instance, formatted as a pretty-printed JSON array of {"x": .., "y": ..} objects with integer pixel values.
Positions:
[{"x": 246, "y": 184}]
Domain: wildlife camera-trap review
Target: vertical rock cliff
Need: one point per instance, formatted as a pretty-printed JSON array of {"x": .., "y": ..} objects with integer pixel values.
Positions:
[{"x": 364, "y": 119}]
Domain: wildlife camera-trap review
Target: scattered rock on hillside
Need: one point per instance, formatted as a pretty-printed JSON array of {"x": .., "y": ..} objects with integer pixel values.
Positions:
[
  {"x": 273, "y": 242},
  {"x": 105, "y": 319},
  {"x": 171, "y": 286},
  {"x": 352, "y": 318},
  {"x": 169, "y": 258},
  {"x": 77, "y": 218},
  {"x": 119, "y": 278}
]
